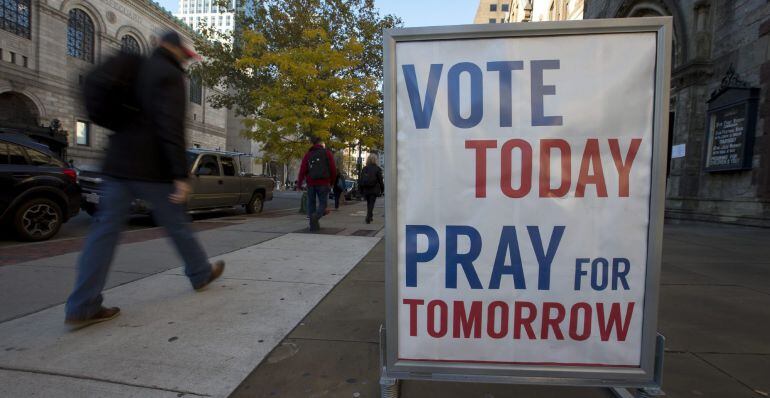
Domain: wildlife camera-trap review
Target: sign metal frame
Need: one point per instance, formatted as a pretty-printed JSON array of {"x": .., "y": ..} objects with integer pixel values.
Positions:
[{"x": 643, "y": 376}]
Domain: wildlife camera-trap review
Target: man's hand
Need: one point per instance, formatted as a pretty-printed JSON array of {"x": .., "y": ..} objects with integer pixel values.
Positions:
[{"x": 181, "y": 190}]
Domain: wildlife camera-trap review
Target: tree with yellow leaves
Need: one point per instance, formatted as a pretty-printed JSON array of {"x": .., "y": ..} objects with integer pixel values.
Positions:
[{"x": 295, "y": 69}]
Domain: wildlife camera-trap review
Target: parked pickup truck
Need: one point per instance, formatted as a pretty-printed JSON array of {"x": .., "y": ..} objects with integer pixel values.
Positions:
[{"x": 216, "y": 179}]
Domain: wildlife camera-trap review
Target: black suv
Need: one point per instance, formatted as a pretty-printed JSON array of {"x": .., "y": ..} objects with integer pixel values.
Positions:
[{"x": 38, "y": 192}]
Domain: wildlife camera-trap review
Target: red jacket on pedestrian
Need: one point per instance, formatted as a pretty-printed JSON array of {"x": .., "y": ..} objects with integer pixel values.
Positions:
[{"x": 320, "y": 182}]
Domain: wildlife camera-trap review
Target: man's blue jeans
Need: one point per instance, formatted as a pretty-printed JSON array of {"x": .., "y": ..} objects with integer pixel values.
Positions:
[
  {"x": 114, "y": 208},
  {"x": 322, "y": 193}
]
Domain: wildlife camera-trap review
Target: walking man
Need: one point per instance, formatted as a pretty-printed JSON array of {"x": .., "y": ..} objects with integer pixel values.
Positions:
[
  {"x": 371, "y": 185},
  {"x": 158, "y": 176},
  {"x": 319, "y": 170}
]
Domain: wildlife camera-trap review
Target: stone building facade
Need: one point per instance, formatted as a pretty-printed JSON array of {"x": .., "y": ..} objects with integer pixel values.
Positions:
[
  {"x": 48, "y": 46},
  {"x": 507, "y": 11},
  {"x": 718, "y": 45}
]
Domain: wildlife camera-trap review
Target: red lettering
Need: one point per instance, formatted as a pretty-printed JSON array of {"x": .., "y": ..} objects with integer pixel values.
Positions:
[
  {"x": 545, "y": 168},
  {"x": 551, "y": 322},
  {"x": 592, "y": 158},
  {"x": 520, "y": 321},
  {"x": 481, "y": 147},
  {"x": 506, "y": 184},
  {"x": 491, "y": 311},
  {"x": 432, "y": 318},
  {"x": 606, "y": 325},
  {"x": 413, "y": 303},
  {"x": 624, "y": 168},
  {"x": 467, "y": 322},
  {"x": 573, "y": 321}
]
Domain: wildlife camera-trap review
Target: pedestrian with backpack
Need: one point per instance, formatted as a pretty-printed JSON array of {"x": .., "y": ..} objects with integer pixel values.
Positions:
[
  {"x": 151, "y": 124},
  {"x": 319, "y": 170},
  {"x": 371, "y": 185}
]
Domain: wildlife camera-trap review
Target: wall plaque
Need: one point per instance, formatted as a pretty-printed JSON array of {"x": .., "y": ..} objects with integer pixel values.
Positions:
[{"x": 731, "y": 122}]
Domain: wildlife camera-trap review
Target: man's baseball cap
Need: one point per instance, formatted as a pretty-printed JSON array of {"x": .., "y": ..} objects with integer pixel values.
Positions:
[{"x": 173, "y": 38}]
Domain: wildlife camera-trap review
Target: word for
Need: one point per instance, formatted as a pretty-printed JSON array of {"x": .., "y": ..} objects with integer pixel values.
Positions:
[
  {"x": 591, "y": 167},
  {"x": 519, "y": 320},
  {"x": 422, "y": 110}
]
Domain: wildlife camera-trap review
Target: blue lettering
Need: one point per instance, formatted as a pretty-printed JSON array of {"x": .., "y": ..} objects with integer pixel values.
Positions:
[
  {"x": 617, "y": 274},
  {"x": 596, "y": 282},
  {"x": 539, "y": 90},
  {"x": 422, "y": 113},
  {"x": 545, "y": 258},
  {"x": 508, "y": 240},
  {"x": 453, "y": 258},
  {"x": 506, "y": 93},
  {"x": 579, "y": 271},
  {"x": 412, "y": 256},
  {"x": 477, "y": 95}
]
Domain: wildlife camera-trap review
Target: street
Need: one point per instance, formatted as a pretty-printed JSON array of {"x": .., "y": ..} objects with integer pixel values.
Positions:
[{"x": 78, "y": 226}]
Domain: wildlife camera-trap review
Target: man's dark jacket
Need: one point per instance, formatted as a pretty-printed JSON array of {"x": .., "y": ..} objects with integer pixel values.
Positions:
[{"x": 152, "y": 147}]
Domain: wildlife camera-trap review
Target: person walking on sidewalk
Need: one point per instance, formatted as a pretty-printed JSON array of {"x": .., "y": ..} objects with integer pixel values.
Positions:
[
  {"x": 319, "y": 170},
  {"x": 339, "y": 182},
  {"x": 371, "y": 185},
  {"x": 159, "y": 177}
]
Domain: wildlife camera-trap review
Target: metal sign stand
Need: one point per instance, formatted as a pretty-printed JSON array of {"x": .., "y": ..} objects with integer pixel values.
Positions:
[{"x": 389, "y": 385}]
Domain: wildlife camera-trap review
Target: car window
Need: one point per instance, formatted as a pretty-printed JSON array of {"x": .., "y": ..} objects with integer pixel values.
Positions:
[
  {"x": 210, "y": 162},
  {"x": 16, "y": 154},
  {"x": 228, "y": 167},
  {"x": 38, "y": 158},
  {"x": 3, "y": 153}
]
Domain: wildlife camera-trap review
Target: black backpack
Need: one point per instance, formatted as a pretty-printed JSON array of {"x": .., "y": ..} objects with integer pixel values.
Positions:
[
  {"x": 369, "y": 177},
  {"x": 318, "y": 164},
  {"x": 110, "y": 92}
]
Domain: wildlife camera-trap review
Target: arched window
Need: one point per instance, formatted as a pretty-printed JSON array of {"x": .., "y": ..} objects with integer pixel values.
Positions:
[
  {"x": 129, "y": 45},
  {"x": 80, "y": 36},
  {"x": 15, "y": 17},
  {"x": 196, "y": 90}
]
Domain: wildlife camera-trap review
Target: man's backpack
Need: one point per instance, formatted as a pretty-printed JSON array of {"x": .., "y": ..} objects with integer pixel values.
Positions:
[
  {"x": 110, "y": 92},
  {"x": 318, "y": 164},
  {"x": 369, "y": 177}
]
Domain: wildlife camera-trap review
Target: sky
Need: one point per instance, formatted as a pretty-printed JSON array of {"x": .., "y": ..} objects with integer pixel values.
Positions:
[{"x": 412, "y": 12}]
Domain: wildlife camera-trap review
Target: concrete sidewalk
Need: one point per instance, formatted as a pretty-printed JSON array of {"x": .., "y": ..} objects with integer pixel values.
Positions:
[
  {"x": 169, "y": 340},
  {"x": 715, "y": 312}
]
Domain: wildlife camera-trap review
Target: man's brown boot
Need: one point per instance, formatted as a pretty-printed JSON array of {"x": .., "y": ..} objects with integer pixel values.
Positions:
[
  {"x": 104, "y": 314},
  {"x": 216, "y": 271}
]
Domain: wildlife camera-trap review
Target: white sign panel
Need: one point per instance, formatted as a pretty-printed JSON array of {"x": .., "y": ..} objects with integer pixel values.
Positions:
[{"x": 523, "y": 198}]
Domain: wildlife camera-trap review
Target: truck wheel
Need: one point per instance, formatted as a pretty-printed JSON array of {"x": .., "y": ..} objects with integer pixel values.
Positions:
[
  {"x": 255, "y": 204},
  {"x": 38, "y": 219}
]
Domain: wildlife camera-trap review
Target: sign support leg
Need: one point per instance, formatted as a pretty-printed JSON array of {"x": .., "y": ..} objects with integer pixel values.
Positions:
[
  {"x": 648, "y": 392},
  {"x": 389, "y": 386}
]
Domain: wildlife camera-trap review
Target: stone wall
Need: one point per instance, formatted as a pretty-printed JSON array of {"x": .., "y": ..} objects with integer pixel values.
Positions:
[
  {"x": 52, "y": 79},
  {"x": 710, "y": 38}
]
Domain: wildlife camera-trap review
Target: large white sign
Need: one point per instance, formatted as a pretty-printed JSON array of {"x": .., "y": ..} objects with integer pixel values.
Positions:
[{"x": 523, "y": 198}]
